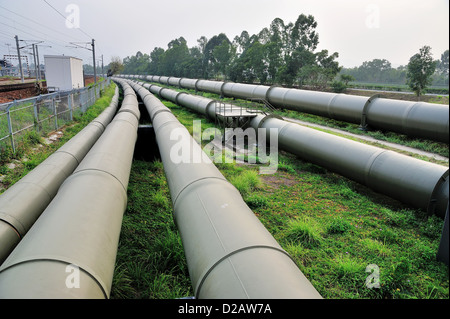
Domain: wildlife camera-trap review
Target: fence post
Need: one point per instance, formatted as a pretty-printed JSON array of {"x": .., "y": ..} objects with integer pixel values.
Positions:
[
  {"x": 11, "y": 135},
  {"x": 36, "y": 118},
  {"x": 69, "y": 104},
  {"x": 55, "y": 112}
]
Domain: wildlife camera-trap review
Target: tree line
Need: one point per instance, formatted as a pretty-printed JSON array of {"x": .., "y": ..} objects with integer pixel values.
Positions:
[
  {"x": 381, "y": 71},
  {"x": 283, "y": 53}
]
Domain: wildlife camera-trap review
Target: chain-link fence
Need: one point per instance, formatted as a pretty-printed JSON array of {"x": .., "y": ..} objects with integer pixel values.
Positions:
[{"x": 44, "y": 113}]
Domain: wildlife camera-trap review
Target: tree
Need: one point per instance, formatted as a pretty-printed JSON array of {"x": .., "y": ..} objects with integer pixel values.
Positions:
[
  {"x": 222, "y": 55},
  {"x": 347, "y": 78},
  {"x": 420, "y": 69},
  {"x": 208, "y": 56},
  {"x": 137, "y": 64},
  {"x": 442, "y": 64},
  {"x": 156, "y": 57},
  {"x": 174, "y": 59},
  {"x": 115, "y": 66}
]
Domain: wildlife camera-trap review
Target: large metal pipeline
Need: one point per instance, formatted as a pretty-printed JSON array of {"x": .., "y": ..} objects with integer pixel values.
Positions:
[
  {"x": 416, "y": 119},
  {"x": 70, "y": 250},
  {"x": 229, "y": 253},
  {"x": 23, "y": 203},
  {"x": 414, "y": 182}
]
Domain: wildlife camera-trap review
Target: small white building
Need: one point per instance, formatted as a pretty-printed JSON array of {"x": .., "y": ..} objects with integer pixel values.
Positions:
[{"x": 63, "y": 72}]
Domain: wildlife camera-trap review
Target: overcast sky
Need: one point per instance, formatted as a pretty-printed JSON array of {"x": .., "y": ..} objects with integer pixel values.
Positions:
[{"x": 359, "y": 30}]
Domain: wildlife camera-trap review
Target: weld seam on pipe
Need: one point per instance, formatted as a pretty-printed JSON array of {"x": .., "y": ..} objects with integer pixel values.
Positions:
[
  {"x": 102, "y": 171},
  {"x": 61, "y": 259},
  {"x": 16, "y": 224},
  {"x": 405, "y": 117},
  {"x": 330, "y": 110},
  {"x": 369, "y": 164},
  {"x": 222, "y": 93},
  {"x": 13, "y": 223},
  {"x": 177, "y": 96},
  {"x": 157, "y": 112},
  {"x": 125, "y": 120},
  {"x": 78, "y": 162},
  {"x": 195, "y": 84},
  {"x": 207, "y": 111},
  {"x": 365, "y": 109},
  {"x": 167, "y": 123},
  {"x": 236, "y": 251},
  {"x": 193, "y": 182},
  {"x": 431, "y": 209}
]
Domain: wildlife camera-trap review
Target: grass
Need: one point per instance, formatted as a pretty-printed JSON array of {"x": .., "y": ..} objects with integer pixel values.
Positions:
[
  {"x": 150, "y": 261},
  {"x": 332, "y": 227}
]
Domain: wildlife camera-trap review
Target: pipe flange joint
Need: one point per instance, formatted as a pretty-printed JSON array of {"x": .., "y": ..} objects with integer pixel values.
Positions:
[{"x": 365, "y": 110}]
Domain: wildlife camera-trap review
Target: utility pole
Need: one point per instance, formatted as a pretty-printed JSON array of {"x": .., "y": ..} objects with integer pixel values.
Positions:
[
  {"x": 77, "y": 45},
  {"x": 93, "y": 58},
  {"x": 20, "y": 60},
  {"x": 35, "y": 63},
  {"x": 103, "y": 72},
  {"x": 37, "y": 58},
  {"x": 38, "y": 63}
]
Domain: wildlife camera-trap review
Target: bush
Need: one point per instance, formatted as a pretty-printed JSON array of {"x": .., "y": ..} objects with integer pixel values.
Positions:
[{"x": 338, "y": 86}]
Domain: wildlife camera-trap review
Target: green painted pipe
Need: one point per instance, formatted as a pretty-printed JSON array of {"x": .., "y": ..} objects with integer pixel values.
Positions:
[
  {"x": 229, "y": 253},
  {"x": 70, "y": 251},
  {"x": 23, "y": 203}
]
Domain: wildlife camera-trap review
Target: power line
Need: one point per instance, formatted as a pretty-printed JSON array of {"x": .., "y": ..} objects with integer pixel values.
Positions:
[
  {"x": 38, "y": 23},
  {"x": 40, "y": 38},
  {"x": 66, "y": 18},
  {"x": 44, "y": 36}
]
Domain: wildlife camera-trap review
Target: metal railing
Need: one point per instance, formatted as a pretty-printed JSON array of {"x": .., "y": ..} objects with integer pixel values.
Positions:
[{"x": 44, "y": 113}]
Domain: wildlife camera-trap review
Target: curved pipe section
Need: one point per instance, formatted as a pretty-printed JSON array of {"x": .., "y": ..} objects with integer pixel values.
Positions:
[
  {"x": 414, "y": 182},
  {"x": 70, "y": 251},
  {"x": 23, "y": 203},
  {"x": 418, "y": 119},
  {"x": 229, "y": 252}
]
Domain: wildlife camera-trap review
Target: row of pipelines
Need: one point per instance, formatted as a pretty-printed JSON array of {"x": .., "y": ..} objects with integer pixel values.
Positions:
[
  {"x": 75, "y": 231},
  {"x": 417, "y": 119},
  {"x": 415, "y": 182}
]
